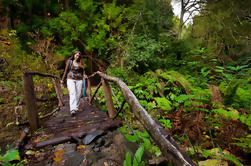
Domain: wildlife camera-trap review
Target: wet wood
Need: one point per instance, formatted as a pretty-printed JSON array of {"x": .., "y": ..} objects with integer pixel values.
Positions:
[
  {"x": 53, "y": 141},
  {"x": 108, "y": 97},
  {"x": 62, "y": 127},
  {"x": 166, "y": 143},
  {"x": 58, "y": 92},
  {"x": 30, "y": 101}
]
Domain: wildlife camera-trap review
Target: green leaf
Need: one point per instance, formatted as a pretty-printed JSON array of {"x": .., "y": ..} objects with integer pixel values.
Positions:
[
  {"x": 147, "y": 144},
  {"x": 10, "y": 156},
  {"x": 138, "y": 156},
  {"x": 163, "y": 103},
  {"x": 132, "y": 138},
  {"x": 233, "y": 159},
  {"x": 128, "y": 160}
]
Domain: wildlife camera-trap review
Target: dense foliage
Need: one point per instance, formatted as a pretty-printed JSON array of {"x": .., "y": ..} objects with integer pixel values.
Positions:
[{"x": 197, "y": 87}]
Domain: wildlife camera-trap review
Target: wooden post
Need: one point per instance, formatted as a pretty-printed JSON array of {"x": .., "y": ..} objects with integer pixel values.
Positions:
[
  {"x": 108, "y": 97},
  {"x": 30, "y": 101},
  {"x": 58, "y": 91}
]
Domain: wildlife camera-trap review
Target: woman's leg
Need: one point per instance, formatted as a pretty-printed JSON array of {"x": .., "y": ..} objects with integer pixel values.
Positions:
[
  {"x": 71, "y": 85},
  {"x": 79, "y": 84}
]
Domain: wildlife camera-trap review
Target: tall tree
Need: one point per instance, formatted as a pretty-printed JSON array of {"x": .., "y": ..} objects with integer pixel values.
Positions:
[
  {"x": 188, "y": 6},
  {"x": 224, "y": 27}
]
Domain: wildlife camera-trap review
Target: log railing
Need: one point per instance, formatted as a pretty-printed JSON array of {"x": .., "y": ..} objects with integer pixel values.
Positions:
[
  {"x": 161, "y": 136},
  {"x": 30, "y": 98}
]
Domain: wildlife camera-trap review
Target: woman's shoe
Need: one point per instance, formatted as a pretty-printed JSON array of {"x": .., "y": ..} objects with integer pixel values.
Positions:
[{"x": 73, "y": 113}]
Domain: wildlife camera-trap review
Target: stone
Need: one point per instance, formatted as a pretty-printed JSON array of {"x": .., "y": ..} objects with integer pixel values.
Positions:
[
  {"x": 98, "y": 149},
  {"x": 100, "y": 142},
  {"x": 90, "y": 137},
  {"x": 93, "y": 157},
  {"x": 68, "y": 148},
  {"x": 73, "y": 159}
]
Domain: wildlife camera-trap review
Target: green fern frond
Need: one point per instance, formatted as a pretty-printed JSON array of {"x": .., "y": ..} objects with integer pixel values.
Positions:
[{"x": 175, "y": 76}]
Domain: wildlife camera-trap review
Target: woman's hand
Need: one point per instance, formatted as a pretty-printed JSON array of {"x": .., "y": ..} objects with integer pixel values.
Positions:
[{"x": 61, "y": 81}]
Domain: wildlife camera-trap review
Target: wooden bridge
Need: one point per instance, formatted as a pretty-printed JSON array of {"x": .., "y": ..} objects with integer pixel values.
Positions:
[{"x": 63, "y": 127}]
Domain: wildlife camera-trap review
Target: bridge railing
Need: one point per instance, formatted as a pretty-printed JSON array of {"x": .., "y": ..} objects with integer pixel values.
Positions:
[
  {"x": 160, "y": 135},
  {"x": 30, "y": 98}
]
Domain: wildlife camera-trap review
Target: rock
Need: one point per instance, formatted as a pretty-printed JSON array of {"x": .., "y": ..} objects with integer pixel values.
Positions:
[
  {"x": 74, "y": 159},
  {"x": 98, "y": 149},
  {"x": 100, "y": 142},
  {"x": 68, "y": 148},
  {"x": 107, "y": 143},
  {"x": 90, "y": 137},
  {"x": 93, "y": 157}
]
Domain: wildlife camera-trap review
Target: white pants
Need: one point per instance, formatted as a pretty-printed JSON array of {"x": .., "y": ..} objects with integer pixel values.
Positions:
[{"x": 74, "y": 88}]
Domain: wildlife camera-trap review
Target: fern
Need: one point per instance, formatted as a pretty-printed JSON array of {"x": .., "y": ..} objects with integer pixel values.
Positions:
[
  {"x": 163, "y": 103},
  {"x": 176, "y": 76},
  {"x": 244, "y": 142},
  {"x": 234, "y": 116}
]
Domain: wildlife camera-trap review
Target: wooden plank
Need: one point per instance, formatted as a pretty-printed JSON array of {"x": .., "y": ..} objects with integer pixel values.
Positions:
[
  {"x": 108, "y": 97},
  {"x": 161, "y": 136},
  {"x": 30, "y": 101},
  {"x": 58, "y": 92}
]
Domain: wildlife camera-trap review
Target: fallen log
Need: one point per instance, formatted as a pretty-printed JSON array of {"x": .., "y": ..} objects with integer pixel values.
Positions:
[
  {"x": 53, "y": 141},
  {"x": 166, "y": 143}
]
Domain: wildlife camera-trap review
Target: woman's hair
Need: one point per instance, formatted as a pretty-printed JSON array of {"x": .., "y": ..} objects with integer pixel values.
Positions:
[{"x": 73, "y": 54}]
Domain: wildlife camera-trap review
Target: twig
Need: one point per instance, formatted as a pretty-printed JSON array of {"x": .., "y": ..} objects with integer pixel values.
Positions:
[
  {"x": 42, "y": 117},
  {"x": 40, "y": 74},
  {"x": 99, "y": 85},
  {"x": 120, "y": 109}
]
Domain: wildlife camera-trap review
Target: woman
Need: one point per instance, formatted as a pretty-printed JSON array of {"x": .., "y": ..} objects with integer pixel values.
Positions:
[{"x": 75, "y": 72}]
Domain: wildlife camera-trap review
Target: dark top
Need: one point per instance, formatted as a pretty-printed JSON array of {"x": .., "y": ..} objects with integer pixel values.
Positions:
[{"x": 75, "y": 72}]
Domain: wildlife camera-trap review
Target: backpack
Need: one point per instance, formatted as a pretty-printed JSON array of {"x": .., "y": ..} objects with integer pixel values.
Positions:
[{"x": 69, "y": 67}]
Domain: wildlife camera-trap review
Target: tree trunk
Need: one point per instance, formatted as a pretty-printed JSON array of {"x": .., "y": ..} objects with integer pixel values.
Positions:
[
  {"x": 66, "y": 4},
  {"x": 166, "y": 143},
  {"x": 182, "y": 12}
]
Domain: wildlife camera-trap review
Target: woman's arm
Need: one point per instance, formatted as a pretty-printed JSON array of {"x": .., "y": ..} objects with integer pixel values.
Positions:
[
  {"x": 65, "y": 71},
  {"x": 82, "y": 66}
]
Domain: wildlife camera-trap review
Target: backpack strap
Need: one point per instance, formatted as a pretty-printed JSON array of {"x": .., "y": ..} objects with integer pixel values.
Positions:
[{"x": 70, "y": 64}]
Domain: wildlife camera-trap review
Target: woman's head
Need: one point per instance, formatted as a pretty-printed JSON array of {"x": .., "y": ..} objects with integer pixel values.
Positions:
[{"x": 76, "y": 55}]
